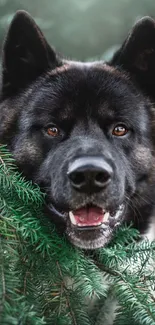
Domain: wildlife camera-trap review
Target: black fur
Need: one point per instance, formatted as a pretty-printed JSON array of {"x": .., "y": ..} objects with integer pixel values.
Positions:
[{"x": 85, "y": 101}]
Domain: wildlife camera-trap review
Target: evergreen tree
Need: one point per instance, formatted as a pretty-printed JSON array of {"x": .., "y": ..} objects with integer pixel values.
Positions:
[{"x": 45, "y": 280}]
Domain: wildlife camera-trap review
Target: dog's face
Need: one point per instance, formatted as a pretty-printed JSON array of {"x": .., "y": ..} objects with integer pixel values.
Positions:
[{"x": 82, "y": 131}]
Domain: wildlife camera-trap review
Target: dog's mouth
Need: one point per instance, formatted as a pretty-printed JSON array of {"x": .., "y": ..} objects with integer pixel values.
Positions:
[
  {"x": 90, "y": 216},
  {"x": 90, "y": 227}
]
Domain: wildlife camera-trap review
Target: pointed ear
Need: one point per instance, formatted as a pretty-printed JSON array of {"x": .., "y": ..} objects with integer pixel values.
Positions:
[
  {"x": 26, "y": 54},
  {"x": 137, "y": 54}
]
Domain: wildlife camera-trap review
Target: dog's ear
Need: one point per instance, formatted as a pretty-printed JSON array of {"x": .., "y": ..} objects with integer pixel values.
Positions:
[
  {"x": 26, "y": 54},
  {"x": 137, "y": 54}
]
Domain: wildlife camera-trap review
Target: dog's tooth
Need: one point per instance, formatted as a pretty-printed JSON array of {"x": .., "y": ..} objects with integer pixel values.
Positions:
[
  {"x": 106, "y": 216},
  {"x": 72, "y": 218},
  {"x": 117, "y": 224},
  {"x": 119, "y": 212}
]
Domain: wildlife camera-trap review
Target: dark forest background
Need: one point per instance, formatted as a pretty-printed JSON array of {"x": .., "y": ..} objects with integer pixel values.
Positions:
[{"x": 81, "y": 29}]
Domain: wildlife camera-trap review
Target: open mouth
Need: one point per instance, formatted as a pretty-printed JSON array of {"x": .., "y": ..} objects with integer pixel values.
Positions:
[
  {"x": 93, "y": 216},
  {"x": 89, "y": 217},
  {"x": 90, "y": 227}
]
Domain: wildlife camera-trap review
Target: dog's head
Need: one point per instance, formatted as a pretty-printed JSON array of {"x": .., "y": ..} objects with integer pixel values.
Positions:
[{"x": 82, "y": 131}]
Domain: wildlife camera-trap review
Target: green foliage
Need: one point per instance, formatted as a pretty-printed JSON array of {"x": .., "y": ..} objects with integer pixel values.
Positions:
[{"x": 45, "y": 280}]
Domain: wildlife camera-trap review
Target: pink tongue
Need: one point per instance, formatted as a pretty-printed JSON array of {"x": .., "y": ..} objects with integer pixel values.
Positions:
[{"x": 89, "y": 216}]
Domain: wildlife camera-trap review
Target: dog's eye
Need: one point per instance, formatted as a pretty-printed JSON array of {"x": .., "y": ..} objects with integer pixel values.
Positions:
[
  {"x": 119, "y": 130},
  {"x": 53, "y": 131}
]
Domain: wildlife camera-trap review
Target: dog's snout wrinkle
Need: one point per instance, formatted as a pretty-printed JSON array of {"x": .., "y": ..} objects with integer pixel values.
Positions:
[{"x": 89, "y": 174}]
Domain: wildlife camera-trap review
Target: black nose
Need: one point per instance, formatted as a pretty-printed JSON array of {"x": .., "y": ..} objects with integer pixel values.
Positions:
[{"x": 90, "y": 174}]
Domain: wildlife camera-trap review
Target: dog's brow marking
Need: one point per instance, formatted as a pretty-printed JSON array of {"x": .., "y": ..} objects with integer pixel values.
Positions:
[{"x": 106, "y": 108}]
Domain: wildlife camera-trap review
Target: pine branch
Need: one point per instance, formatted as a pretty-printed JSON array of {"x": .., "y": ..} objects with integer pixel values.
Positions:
[
  {"x": 13, "y": 181},
  {"x": 14, "y": 309},
  {"x": 134, "y": 262}
]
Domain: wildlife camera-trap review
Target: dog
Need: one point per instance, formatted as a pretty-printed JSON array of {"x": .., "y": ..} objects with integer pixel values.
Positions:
[{"x": 83, "y": 131}]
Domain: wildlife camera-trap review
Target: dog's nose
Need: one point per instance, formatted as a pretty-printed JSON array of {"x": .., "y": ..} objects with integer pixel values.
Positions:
[{"x": 90, "y": 174}]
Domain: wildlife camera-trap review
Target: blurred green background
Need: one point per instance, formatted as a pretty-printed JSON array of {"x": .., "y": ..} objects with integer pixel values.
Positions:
[{"x": 81, "y": 29}]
